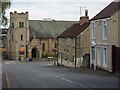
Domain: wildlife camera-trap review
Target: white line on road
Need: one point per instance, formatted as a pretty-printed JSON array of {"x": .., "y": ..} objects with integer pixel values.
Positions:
[
  {"x": 8, "y": 81},
  {"x": 67, "y": 80},
  {"x": 63, "y": 78},
  {"x": 7, "y": 63}
]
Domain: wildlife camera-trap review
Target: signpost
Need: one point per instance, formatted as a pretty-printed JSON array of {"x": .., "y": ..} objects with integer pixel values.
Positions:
[
  {"x": 21, "y": 51},
  {"x": 54, "y": 50}
]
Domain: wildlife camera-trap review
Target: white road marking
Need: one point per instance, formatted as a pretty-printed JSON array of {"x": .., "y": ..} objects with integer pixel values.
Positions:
[
  {"x": 11, "y": 62},
  {"x": 67, "y": 80},
  {"x": 49, "y": 64},
  {"x": 7, "y": 62},
  {"x": 8, "y": 82},
  {"x": 63, "y": 78}
]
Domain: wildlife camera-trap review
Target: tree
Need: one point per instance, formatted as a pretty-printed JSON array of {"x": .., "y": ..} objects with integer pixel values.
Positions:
[{"x": 3, "y": 7}]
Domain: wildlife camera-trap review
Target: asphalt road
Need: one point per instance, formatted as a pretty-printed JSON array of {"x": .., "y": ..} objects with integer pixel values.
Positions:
[{"x": 46, "y": 75}]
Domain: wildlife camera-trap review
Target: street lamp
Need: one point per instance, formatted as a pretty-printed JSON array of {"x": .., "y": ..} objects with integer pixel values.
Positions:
[
  {"x": 54, "y": 50},
  {"x": 54, "y": 39}
]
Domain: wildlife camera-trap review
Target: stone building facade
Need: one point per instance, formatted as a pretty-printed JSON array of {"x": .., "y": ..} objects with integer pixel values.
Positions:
[
  {"x": 105, "y": 34},
  {"x": 69, "y": 49},
  {"x": 18, "y": 35},
  {"x": 32, "y": 38}
]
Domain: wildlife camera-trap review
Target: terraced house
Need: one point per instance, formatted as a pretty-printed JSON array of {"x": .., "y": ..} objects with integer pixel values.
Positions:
[
  {"x": 32, "y": 38},
  {"x": 105, "y": 38},
  {"x": 70, "y": 43}
]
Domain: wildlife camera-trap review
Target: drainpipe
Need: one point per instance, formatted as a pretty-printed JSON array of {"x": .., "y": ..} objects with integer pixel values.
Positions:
[
  {"x": 75, "y": 50},
  {"x": 57, "y": 50},
  {"x": 80, "y": 50}
]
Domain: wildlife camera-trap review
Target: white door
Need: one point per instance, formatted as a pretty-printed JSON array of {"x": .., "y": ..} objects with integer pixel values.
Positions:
[
  {"x": 98, "y": 56},
  {"x": 93, "y": 57}
]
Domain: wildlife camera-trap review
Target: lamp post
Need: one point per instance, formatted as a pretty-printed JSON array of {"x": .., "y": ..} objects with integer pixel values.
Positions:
[
  {"x": 54, "y": 40},
  {"x": 54, "y": 50}
]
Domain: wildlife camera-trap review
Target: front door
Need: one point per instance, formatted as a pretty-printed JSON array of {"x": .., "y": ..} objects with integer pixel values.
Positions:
[{"x": 93, "y": 57}]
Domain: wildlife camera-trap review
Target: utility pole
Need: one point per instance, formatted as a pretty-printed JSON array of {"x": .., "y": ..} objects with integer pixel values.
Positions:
[
  {"x": 54, "y": 39},
  {"x": 80, "y": 11}
]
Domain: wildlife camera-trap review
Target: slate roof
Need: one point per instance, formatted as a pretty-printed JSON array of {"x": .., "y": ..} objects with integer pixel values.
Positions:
[
  {"x": 107, "y": 11},
  {"x": 48, "y": 29},
  {"x": 74, "y": 30}
]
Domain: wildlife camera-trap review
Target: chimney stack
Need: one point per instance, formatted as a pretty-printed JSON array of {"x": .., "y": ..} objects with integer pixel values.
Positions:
[{"x": 84, "y": 19}]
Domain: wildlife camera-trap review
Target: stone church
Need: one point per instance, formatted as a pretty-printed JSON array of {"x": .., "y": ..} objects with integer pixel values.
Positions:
[{"x": 32, "y": 38}]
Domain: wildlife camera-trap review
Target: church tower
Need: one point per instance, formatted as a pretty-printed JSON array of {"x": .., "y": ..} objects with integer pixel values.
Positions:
[{"x": 19, "y": 35}]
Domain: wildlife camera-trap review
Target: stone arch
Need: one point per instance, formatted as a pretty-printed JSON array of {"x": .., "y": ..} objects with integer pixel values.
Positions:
[
  {"x": 34, "y": 49},
  {"x": 34, "y": 52}
]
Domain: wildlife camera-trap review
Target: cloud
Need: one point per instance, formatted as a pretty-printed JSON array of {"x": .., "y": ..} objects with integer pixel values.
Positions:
[{"x": 58, "y": 9}]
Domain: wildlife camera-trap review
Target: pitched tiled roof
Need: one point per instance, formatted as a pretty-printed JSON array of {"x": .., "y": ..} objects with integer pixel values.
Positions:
[
  {"x": 74, "y": 30},
  {"x": 107, "y": 11},
  {"x": 48, "y": 29}
]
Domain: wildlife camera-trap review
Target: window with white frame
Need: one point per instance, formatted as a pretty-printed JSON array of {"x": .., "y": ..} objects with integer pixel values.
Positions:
[
  {"x": 104, "y": 29},
  {"x": 98, "y": 55},
  {"x": 93, "y": 30},
  {"x": 105, "y": 56}
]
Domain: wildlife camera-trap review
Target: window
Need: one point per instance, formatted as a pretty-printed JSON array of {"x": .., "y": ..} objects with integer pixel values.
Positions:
[
  {"x": 105, "y": 56},
  {"x": 12, "y": 25},
  {"x": 43, "y": 46},
  {"x": 55, "y": 45},
  {"x": 98, "y": 56},
  {"x": 93, "y": 53},
  {"x": 105, "y": 30},
  {"x": 21, "y": 37},
  {"x": 19, "y": 24},
  {"x": 22, "y": 24},
  {"x": 12, "y": 37},
  {"x": 93, "y": 30}
]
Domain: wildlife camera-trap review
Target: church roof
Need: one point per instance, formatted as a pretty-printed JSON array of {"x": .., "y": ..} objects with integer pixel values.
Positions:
[{"x": 48, "y": 29}]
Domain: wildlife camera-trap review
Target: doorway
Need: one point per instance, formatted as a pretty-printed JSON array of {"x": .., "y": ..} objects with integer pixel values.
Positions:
[
  {"x": 34, "y": 52},
  {"x": 93, "y": 57}
]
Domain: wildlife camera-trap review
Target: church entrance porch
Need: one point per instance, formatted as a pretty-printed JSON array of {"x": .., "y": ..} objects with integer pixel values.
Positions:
[{"x": 34, "y": 49}]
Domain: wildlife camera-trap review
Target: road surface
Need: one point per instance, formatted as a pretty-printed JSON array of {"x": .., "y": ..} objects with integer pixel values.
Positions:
[{"x": 46, "y": 75}]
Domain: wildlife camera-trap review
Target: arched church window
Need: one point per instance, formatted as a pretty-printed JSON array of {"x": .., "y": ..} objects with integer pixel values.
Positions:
[
  {"x": 12, "y": 25},
  {"x": 21, "y": 37},
  {"x": 43, "y": 46},
  {"x": 22, "y": 24}
]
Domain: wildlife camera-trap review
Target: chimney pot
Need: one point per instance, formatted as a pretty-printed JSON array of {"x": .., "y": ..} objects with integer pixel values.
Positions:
[{"x": 86, "y": 12}]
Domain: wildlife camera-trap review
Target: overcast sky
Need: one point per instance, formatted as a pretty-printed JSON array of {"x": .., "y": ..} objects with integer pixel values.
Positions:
[{"x": 58, "y": 9}]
